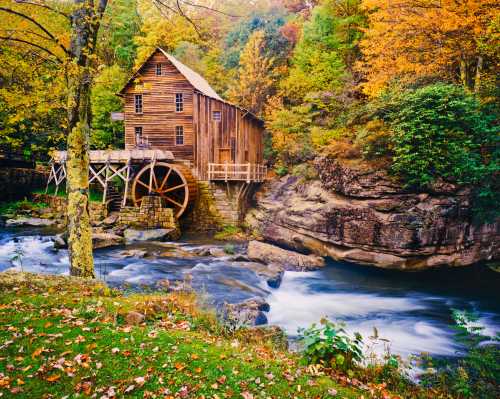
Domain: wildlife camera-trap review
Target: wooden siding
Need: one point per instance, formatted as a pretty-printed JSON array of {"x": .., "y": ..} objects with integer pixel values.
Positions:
[
  {"x": 236, "y": 138},
  {"x": 158, "y": 119}
]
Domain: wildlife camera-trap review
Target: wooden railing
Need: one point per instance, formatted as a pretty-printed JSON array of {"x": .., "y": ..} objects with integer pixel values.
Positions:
[{"x": 237, "y": 171}]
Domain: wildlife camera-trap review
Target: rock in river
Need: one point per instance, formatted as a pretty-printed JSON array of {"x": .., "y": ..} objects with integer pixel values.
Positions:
[
  {"x": 132, "y": 235},
  {"x": 104, "y": 240},
  {"x": 267, "y": 253},
  {"x": 25, "y": 221},
  {"x": 247, "y": 313}
]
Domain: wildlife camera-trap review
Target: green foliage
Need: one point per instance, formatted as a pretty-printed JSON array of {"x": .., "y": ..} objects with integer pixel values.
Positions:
[
  {"x": 228, "y": 232},
  {"x": 375, "y": 139},
  {"x": 10, "y": 208},
  {"x": 105, "y": 132},
  {"x": 290, "y": 129},
  {"x": 329, "y": 344},
  {"x": 477, "y": 372},
  {"x": 268, "y": 21},
  {"x": 122, "y": 23},
  {"x": 326, "y": 51},
  {"x": 440, "y": 131}
]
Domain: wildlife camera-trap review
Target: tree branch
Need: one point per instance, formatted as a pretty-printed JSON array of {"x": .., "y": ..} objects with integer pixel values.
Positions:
[
  {"x": 31, "y": 44},
  {"x": 46, "y": 6},
  {"x": 33, "y": 21},
  {"x": 210, "y": 9}
]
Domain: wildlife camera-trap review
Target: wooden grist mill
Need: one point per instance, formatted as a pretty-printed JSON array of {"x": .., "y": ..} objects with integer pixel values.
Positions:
[{"x": 178, "y": 132}]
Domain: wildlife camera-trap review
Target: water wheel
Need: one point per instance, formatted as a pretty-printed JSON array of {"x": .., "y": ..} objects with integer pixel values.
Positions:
[{"x": 174, "y": 183}]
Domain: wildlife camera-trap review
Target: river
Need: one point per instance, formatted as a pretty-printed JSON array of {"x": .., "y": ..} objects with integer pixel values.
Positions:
[{"x": 411, "y": 310}]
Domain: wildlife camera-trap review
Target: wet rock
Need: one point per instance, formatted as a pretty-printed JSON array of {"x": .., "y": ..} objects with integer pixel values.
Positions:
[
  {"x": 247, "y": 313},
  {"x": 217, "y": 252},
  {"x": 105, "y": 240},
  {"x": 28, "y": 221},
  {"x": 362, "y": 215},
  {"x": 134, "y": 318},
  {"x": 231, "y": 282},
  {"x": 61, "y": 241},
  {"x": 290, "y": 260},
  {"x": 111, "y": 219},
  {"x": 273, "y": 273},
  {"x": 239, "y": 258},
  {"x": 132, "y": 235},
  {"x": 133, "y": 253}
]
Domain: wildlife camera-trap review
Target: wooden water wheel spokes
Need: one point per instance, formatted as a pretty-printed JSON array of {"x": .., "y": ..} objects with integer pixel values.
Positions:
[{"x": 173, "y": 183}]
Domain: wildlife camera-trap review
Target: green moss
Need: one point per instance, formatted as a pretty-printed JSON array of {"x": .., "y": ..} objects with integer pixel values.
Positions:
[{"x": 228, "y": 232}]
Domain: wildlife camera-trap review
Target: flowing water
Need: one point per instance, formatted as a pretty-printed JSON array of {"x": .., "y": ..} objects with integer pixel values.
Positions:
[{"x": 411, "y": 310}]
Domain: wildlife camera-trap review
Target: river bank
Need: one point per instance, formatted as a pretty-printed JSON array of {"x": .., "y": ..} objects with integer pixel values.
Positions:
[{"x": 414, "y": 314}]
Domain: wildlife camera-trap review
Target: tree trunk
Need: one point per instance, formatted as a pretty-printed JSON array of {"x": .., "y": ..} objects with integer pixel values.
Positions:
[
  {"x": 479, "y": 70},
  {"x": 79, "y": 120},
  {"x": 79, "y": 228}
]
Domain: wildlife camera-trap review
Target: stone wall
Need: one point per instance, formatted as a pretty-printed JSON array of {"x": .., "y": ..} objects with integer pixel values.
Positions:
[
  {"x": 217, "y": 205},
  {"x": 151, "y": 215},
  {"x": 57, "y": 207},
  {"x": 18, "y": 183}
]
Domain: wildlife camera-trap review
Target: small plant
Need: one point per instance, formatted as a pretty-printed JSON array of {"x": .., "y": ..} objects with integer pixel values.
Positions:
[
  {"x": 476, "y": 374},
  {"x": 17, "y": 257},
  {"x": 330, "y": 345},
  {"x": 229, "y": 249}
]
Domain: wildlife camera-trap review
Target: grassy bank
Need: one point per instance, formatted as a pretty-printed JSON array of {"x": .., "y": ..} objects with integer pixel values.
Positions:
[{"x": 66, "y": 337}]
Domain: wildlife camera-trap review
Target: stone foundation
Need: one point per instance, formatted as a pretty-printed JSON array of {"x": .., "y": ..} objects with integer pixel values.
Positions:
[
  {"x": 57, "y": 207},
  {"x": 151, "y": 215},
  {"x": 218, "y": 204}
]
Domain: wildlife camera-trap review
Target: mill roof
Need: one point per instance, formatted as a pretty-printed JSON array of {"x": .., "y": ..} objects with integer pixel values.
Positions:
[{"x": 195, "y": 79}]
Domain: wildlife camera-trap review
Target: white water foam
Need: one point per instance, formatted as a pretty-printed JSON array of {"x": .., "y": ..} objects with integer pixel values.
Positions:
[{"x": 294, "y": 306}]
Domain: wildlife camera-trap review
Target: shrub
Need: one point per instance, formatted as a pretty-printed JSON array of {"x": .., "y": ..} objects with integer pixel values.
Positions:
[
  {"x": 440, "y": 131},
  {"x": 374, "y": 139},
  {"x": 331, "y": 345},
  {"x": 476, "y": 374}
]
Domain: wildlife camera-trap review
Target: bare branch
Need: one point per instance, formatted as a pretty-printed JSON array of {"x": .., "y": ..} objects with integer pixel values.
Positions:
[
  {"x": 188, "y": 3},
  {"x": 43, "y": 5},
  {"x": 33, "y": 21},
  {"x": 31, "y": 44}
]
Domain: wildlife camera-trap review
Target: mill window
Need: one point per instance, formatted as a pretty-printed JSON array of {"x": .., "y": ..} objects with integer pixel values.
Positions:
[
  {"x": 179, "y": 102},
  {"x": 179, "y": 135},
  {"x": 138, "y": 103},
  {"x": 138, "y": 135},
  {"x": 216, "y": 116},
  {"x": 158, "y": 69}
]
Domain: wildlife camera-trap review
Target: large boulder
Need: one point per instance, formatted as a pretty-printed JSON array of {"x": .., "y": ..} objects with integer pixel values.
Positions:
[
  {"x": 362, "y": 215},
  {"x": 134, "y": 235},
  {"x": 28, "y": 221},
  {"x": 105, "y": 240},
  {"x": 290, "y": 260},
  {"x": 247, "y": 313}
]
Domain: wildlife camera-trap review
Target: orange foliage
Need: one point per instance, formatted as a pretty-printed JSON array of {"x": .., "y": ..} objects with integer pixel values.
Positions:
[{"x": 414, "y": 39}]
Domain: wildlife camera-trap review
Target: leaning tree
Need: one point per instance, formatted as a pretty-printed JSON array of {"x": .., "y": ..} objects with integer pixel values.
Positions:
[{"x": 77, "y": 60}]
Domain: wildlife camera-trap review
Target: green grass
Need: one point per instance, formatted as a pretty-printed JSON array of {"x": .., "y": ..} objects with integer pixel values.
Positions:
[
  {"x": 94, "y": 196},
  {"x": 64, "y": 336},
  {"x": 8, "y": 208}
]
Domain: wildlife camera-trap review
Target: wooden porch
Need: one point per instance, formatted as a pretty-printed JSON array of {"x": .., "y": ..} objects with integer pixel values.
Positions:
[{"x": 246, "y": 172}]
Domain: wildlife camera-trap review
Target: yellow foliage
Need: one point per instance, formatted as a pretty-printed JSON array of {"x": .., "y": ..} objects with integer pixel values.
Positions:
[{"x": 408, "y": 40}]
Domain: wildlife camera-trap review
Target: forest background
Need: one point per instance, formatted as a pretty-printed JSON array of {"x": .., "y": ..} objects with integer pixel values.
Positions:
[{"x": 411, "y": 86}]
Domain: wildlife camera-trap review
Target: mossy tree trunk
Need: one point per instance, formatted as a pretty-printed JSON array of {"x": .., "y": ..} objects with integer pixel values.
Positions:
[{"x": 85, "y": 21}]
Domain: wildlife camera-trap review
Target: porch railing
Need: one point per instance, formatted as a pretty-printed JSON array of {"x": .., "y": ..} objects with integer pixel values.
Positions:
[{"x": 248, "y": 172}]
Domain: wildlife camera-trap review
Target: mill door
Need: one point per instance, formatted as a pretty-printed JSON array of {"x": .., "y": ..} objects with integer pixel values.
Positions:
[{"x": 224, "y": 155}]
